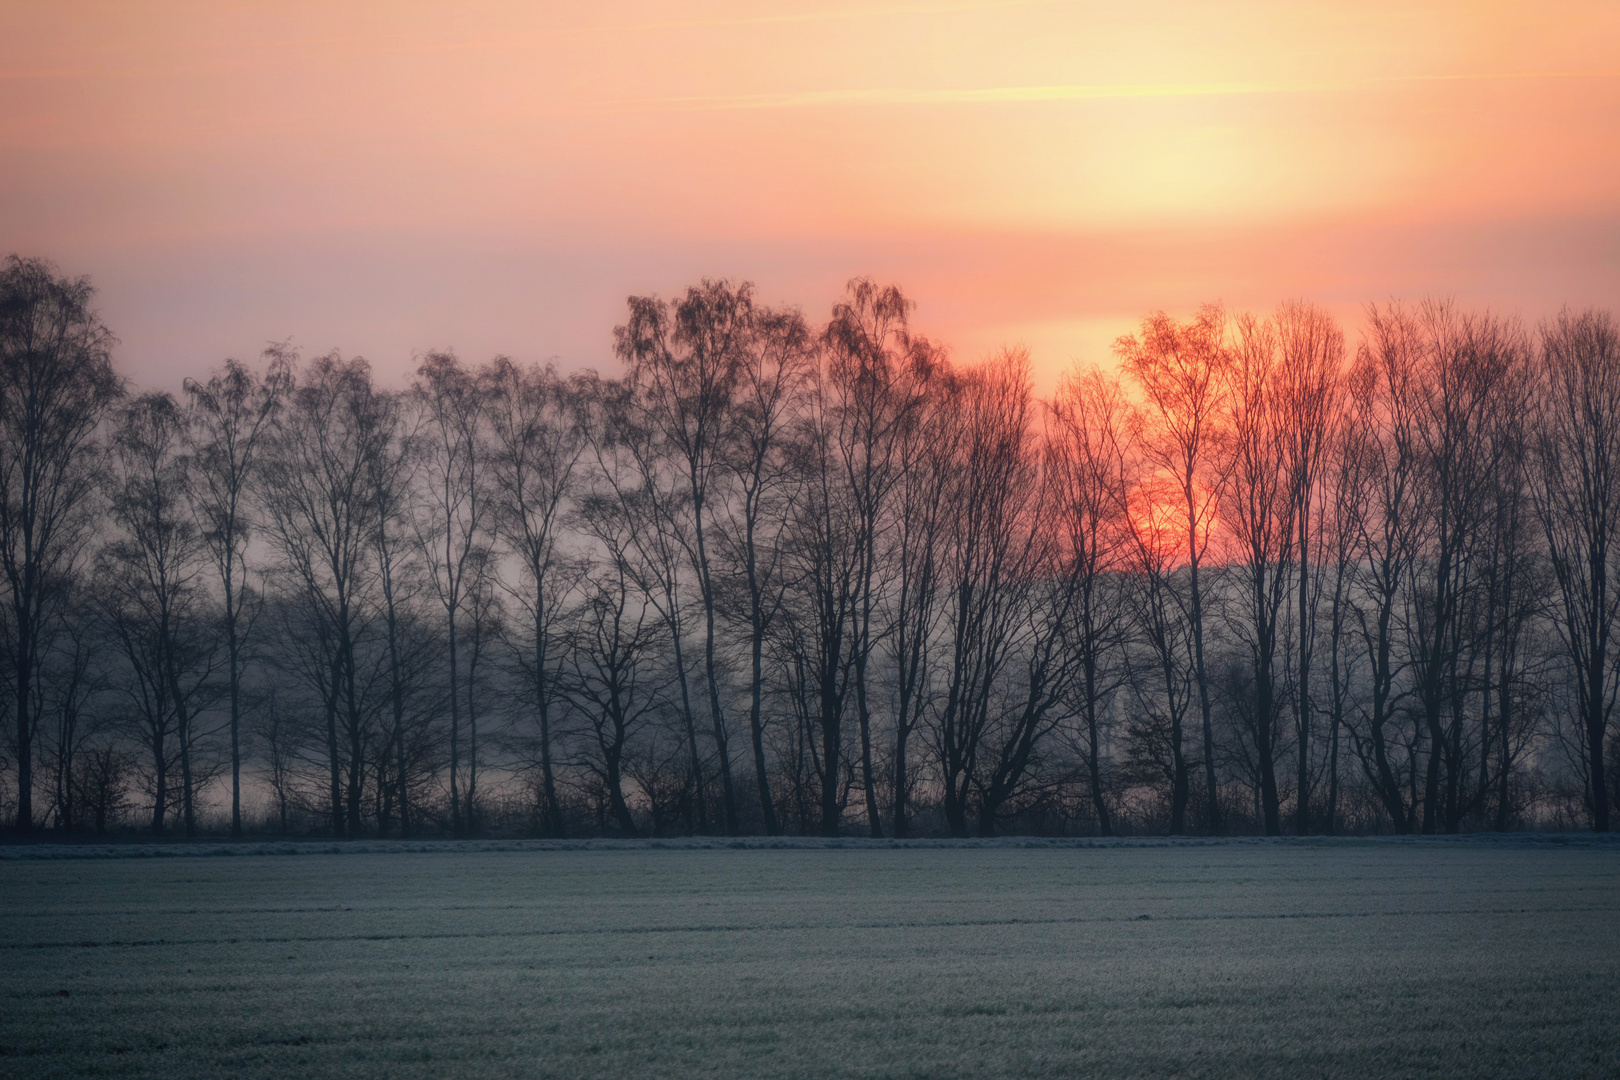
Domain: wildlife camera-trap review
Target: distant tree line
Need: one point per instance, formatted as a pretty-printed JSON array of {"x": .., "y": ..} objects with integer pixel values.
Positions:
[{"x": 782, "y": 577}]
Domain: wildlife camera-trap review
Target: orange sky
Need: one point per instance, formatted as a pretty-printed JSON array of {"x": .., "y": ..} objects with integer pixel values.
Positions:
[{"x": 392, "y": 177}]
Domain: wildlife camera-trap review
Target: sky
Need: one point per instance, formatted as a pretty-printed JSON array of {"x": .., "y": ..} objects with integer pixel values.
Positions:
[{"x": 390, "y": 178}]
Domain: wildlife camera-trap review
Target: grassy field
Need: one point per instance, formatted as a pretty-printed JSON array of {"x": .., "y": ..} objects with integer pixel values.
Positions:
[{"x": 1285, "y": 960}]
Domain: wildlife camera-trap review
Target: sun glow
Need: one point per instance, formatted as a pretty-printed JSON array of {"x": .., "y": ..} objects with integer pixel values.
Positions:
[
  {"x": 498, "y": 176},
  {"x": 1157, "y": 510}
]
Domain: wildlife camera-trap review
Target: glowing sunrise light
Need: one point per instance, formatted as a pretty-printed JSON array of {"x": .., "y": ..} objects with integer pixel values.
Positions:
[
  {"x": 498, "y": 176},
  {"x": 1157, "y": 510}
]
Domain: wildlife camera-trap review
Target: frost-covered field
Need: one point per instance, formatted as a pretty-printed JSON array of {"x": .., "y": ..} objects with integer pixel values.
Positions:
[{"x": 1470, "y": 958}]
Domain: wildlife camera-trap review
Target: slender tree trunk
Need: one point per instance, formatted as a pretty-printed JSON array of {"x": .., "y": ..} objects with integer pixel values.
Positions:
[
  {"x": 332, "y": 745},
  {"x": 396, "y": 700},
  {"x": 472, "y": 735},
  {"x": 1265, "y": 704},
  {"x": 831, "y": 737},
  {"x": 160, "y": 784},
  {"x": 902, "y": 782},
  {"x": 1595, "y": 754},
  {"x": 25, "y": 727},
  {"x": 691, "y": 724},
  {"x": 182, "y": 728},
  {"x": 1302, "y": 700},
  {"x": 1203, "y": 694},
  {"x": 233, "y": 650},
  {"x": 874, "y": 819},
  {"x": 756, "y": 697},
  {"x": 188, "y": 815},
  {"x": 1094, "y": 763},
  {"x": 548, "y": 782},
  {"x": 1431, "y": 777},
  {"x": 1332, "y": 823},
  {"x": 621, "y": 810},
  {"x": 612, "y": 755},
  {"x": 455, "y": 734},
  {"x": 721, "y": 740},
  {"x": 1265, "y": 707},
  {"x": 356, "y": 748}
]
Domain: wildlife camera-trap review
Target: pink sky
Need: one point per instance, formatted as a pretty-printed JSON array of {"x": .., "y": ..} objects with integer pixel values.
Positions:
[{"x": 386, "y": 178}]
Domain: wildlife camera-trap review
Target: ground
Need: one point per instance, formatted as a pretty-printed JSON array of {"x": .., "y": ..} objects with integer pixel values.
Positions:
[{"x": 1285, "y": 959}]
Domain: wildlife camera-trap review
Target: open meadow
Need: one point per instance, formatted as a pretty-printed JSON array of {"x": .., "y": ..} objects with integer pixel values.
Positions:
[{"x": 1472, "y": 957}]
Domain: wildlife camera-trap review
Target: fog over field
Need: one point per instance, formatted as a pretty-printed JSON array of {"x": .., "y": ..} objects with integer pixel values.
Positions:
[{"x": 1405, "y": 957}]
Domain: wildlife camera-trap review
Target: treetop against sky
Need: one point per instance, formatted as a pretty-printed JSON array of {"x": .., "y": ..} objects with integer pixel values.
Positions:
[{"x": 497, "y": 177}]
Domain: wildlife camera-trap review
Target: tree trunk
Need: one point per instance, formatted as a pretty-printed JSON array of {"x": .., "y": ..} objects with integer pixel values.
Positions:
[
  {"x": 548, "y": 783},
  {"x": 1093, "y": 763},
  {"x": 721, "y": 740},
  {"x": 356, "y": 747},
  {"x": 1214, "y": 792},
  {"x": 874, "y": 819},
  {"x": 332, "y": 747},
  {"x": 831, "y": 732},
  {"x": 1302, "y": 700},
  {"x": 455, "y": 734},
  {"x": 756, "y": 726},
  {"x": 25, "y": 732},
  {"x": 691, "y": 723}
]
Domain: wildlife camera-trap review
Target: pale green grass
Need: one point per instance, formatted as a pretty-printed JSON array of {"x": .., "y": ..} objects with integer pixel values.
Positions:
[{"x": 1236, "y": 960}]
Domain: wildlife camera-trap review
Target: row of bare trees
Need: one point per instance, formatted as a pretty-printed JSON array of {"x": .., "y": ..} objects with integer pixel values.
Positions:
[{"x": 784, "y": 578}]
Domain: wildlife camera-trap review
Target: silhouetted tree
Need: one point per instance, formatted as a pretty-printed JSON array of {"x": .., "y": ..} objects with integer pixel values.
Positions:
[
  {"x": 316, "y": 487},
  {"x": 536, "y": 443},
  {"x": 229, "y": 419},
  {"x": 151, "y": 584},
  {"x": 1182, "y": 371},
  {"x": 56, "y": 385},
  {"x": 1086, "y": 461},
  {"x": 452, "y": 521},
  {"x": 684, "y": 366},
  {"x": 1577, "y": 499}
]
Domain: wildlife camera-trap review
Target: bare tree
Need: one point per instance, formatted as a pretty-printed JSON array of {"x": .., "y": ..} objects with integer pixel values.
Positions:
[
  {"x": 994, "y": 565},
  {"x": 1470, "y": 377},
  {"x": 101, "y": 778},
  {"x": 1577, "y": 499},
  {"x": 1515, "y": 587},
  {"x": 1258, "y": 506},
  {"x": 614, "y": 679},
  {"x": 72, "y": 680},
  {"x": 1016, "y": 512},
  {"x": 874, "y": 387},
  {"x": 916, "y": 544},
  {"x": 452, "y": 525},
  {"x": 1182, "y": 371},
  {"x": 315, "y": 487},
  {"x": 1309, "y": 382},
  {"x": 770, "y": 387},
  {"x": 684, "y": 367},
  {"x": 1383, "y": 505},
  {"x": 391, "y": 471},
  {"x": 1341, "y": 511},
  {"x": 536, "y": 442},
  {"x": 56, "y": 385},
  {"x": 486, "y": 622},
  {"x": 1086, "y": 462},
  {"x": 814, "y": 634},
  {"x": 230, "y": 417},
  {"x": 652, "y": 538},
  {"x": 150, "y": 581},
  {"x": 1158, "y": 670}
]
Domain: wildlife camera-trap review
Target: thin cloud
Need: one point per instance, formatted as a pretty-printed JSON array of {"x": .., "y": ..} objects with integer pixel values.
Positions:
[
  {"x": 262, "y": 53},
  {"x": 832, "y": 15},
  {"x": 1087, "y": 92}
]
